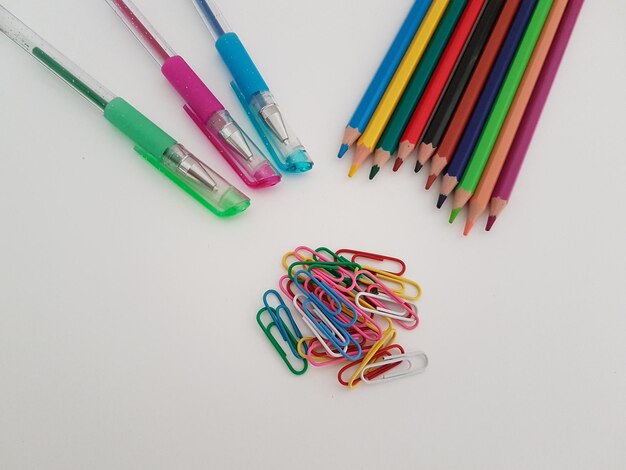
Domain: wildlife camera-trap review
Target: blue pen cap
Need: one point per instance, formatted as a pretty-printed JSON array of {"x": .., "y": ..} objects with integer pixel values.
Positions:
[{"x": 254, "y": 95}]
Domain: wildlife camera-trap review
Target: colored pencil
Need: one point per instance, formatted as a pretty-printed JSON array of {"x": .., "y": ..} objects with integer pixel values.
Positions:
[
  {"x": 383, "y": 76},
  {"x": 500, "y": 110},
  {"x": 461, "y": 117},
  {"x": 460, "y": 78},
  {"x": 480, "y": 198},
  {"x": 387, "y": 105},
  {"x": 438, "y": 81},
  {"x": 485, "y": 102},
  {"x": 508, "y": 176},
  {"x": 390, "y": 139}
]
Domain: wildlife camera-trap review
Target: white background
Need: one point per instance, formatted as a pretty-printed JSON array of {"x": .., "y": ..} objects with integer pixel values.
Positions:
[{"x": 127, "y": 331}]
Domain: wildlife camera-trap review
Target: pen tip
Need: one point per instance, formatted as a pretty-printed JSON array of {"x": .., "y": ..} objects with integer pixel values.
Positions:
[
  {"x": 418, "y": 167},
  {"x": 455, "y": 212},
  {"x": 342, "y": 150},
  {"x": 441, "y": 200},
  {"x": 374, "y": 171},
  {"x": 397, "y": 164},
  {"x": 353, "y": 170},
  {"x": 490, "y": 221},
  {"x": 431, "y": 181}
]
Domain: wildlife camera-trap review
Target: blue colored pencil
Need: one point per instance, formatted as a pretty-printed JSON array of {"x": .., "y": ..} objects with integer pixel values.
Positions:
[
  {"x": 383, "y": 76},
  {"x": 481, "y": 112}
]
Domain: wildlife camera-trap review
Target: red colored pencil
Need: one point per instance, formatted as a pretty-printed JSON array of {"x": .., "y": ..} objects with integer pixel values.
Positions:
[
  {"x": 464, "y": 111},
  {"x": 438, "y": 81}
]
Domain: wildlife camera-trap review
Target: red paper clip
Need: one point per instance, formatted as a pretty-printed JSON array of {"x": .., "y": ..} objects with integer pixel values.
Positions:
[{"x": 355, "y": 255}]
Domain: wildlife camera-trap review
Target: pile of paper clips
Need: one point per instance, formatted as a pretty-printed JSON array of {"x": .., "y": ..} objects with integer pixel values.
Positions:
[{"x": 349, "y": 312}]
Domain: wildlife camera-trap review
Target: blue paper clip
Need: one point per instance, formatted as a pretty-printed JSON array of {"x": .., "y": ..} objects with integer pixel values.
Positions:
[
  {"x": 275, "y": 312},
  {"x": 336, "y": 300}
]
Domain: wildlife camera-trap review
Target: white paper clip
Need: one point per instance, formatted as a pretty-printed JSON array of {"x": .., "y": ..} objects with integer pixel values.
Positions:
[{"x": 411, "y": 363}]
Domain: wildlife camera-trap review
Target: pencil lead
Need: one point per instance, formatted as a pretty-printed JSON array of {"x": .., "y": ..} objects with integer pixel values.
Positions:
[
  {"x": 441, "y": 200},
  {"x": 397, "y": 164},
  {"x": 469, "y": 225},
  {"x": 353, "y": 170},
  {"x": 490, "y": 221},
  {"x": 342, "y": 150},
  {"x": 374, "y": 171},
  {"x": 418, "y": 167},
  {"x": 456, "y": 211},
  {"x": 431, "y": 181}
]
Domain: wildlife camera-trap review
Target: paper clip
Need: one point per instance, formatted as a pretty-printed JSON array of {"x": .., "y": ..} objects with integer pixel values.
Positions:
[
  {"x": 409, "y": 360},
  {"x": 334, "y": 309},
  {"x": 325, "y": 329},
  {"x": 275, "y": 312},
  {"x": 386, "y": 340},
  {"x": 291, "y": 341},
  {"x": 354, "y": 255},
  {"x": 402, "y": 314},
  {"x": 383, "y": 352}
]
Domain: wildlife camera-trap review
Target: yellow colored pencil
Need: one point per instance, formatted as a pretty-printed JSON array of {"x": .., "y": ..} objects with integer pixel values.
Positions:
[{"x": 378, "y": 122}]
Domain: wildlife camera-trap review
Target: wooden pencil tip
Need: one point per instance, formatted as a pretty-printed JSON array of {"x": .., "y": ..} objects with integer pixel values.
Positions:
[
  {"x": 418, "y": 166},
  {"x": 397, "y": 164},
  {"x": 353, "y": 169},
  {"x": 431, "y": 181},
  {"x": 374, "y": 171},
  {"x": 343, "y": 150},
  {"x": 490, "y": 221},
  {"x": 453, "y": 215},
  {"x": 469, "y": 225},
  {"x": 441, "y": 200}
]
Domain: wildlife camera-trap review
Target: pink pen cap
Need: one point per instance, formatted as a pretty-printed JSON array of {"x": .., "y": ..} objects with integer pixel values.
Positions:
[
  {"x": 219, "y": 126},
  {"x": 202, "y": 106}
]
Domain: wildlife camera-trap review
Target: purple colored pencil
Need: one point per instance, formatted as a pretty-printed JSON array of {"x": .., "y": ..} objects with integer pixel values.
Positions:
[{"x": 519, "y": 149}]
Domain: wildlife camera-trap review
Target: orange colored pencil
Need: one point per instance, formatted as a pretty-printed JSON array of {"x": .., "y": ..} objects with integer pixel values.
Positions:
[{"x": 489, "y": 178}]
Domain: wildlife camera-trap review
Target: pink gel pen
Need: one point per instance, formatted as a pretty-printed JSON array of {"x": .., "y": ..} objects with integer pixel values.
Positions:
[{"x": 202, "y": 105}]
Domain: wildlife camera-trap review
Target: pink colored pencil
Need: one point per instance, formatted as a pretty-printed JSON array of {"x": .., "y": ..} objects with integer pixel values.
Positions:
[{"x": 510, "y": 171}]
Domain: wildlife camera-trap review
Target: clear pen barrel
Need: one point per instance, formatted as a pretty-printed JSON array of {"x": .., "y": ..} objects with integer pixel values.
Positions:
[
  {"x": 212, "y": 17},
  {"x": 158, "y": 48},
  {"x": 73, "y": 75}
]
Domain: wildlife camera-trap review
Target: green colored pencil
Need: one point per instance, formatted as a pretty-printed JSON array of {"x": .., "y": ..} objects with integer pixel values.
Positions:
[
  {"x": 498, "y": 114},
  {"x": 390, "y": 139}
]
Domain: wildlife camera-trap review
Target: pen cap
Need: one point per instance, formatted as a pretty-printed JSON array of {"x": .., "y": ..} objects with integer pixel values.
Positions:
[
  {"x": 241, "y": 67},
  {"x": 220, "y": 128},
  {"x": 281, "y": 142},
  {"x": 173, "y": 160}
]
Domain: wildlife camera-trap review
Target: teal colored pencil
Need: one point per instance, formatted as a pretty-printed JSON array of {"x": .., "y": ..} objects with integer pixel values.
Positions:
[{"x": 390, "y": 139}]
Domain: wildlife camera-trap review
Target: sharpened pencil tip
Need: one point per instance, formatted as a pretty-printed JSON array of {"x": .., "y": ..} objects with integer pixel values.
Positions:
[
  {"x": 418, "y": 167},
  {"x": 441, "y": 200},
  {"x": 469, "y": 225},
  {"x": 431, "y": 181},
  {"x": 342, "y": 150},
  {"x": 455, "y": 212},
  {"x": 397, "y": 164},
  {"x": 374, "y": 171},
  {"x": 353, "y": 170},
  {"x": 490, "y": 221}
]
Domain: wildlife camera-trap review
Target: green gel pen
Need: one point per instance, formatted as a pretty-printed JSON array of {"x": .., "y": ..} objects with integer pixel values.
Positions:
[{"x": 152, "y": 143}]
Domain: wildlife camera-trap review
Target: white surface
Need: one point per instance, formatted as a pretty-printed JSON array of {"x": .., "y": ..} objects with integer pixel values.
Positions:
[{"x": 127, "y": 331}]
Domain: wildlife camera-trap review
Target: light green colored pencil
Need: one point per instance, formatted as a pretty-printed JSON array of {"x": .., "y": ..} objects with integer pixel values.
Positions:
[{"x": 498, "y": 114}]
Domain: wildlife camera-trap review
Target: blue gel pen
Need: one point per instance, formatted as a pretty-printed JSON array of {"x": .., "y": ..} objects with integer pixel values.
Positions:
[{"x": 254, "y": 94}]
